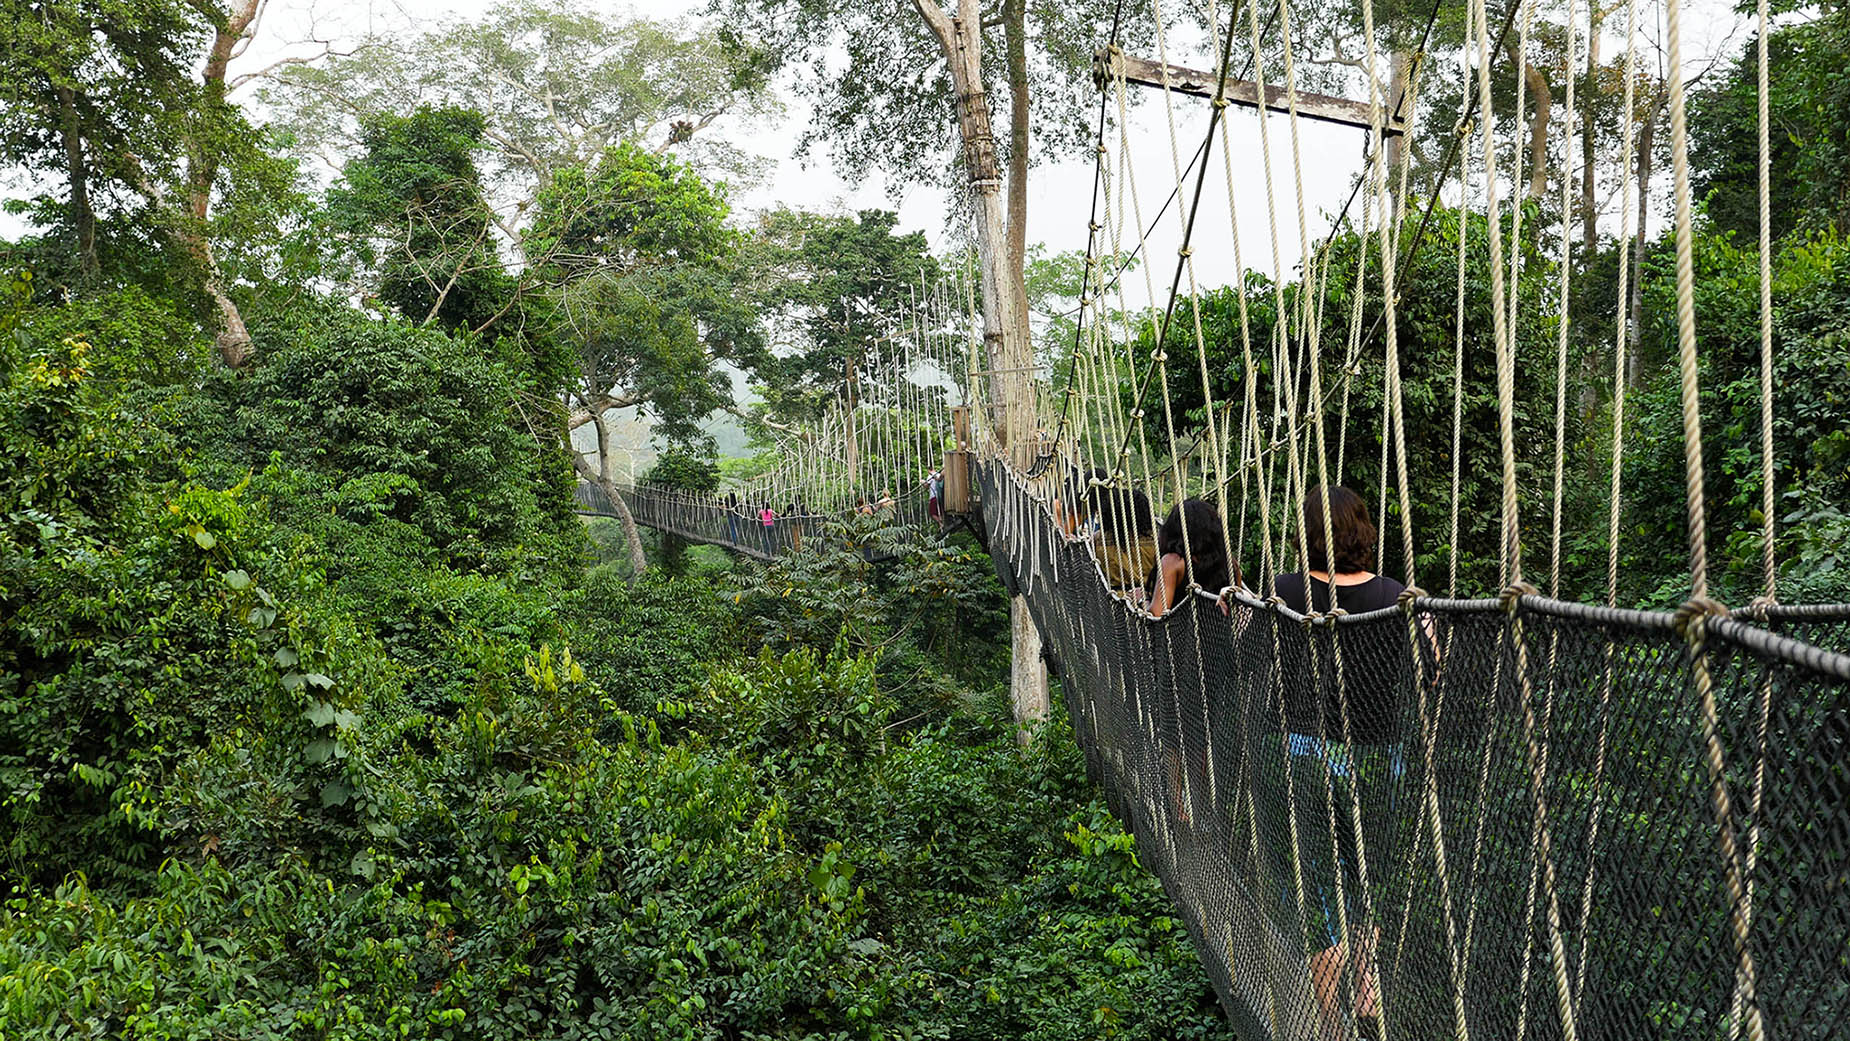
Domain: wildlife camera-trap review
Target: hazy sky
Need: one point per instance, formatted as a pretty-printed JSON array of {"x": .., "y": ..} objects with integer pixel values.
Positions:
[{"x": 1060, "y": 193}]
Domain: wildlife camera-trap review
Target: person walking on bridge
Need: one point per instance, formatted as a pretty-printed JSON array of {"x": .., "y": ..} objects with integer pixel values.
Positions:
[
  {"x": 1126, "y": 539},
  {"x": 768, "y": 517},
  {"x": 732, "y": 517},
  {"x": 1191, "y": 548},
  {"x": 1342, "y": 751}
]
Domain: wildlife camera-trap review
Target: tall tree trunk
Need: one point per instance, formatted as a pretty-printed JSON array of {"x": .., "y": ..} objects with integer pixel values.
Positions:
[
  {"x": 1015, "y": 41},
  {"x": 1400, "y": 70},
  {"x": 1647, "y": 136},
  {"x": 77, "y": 171},
  {"x": 1538, "y": 125},
  {"x": 602, "y": 476},
  {"x": 203, "y": 156},
  {"x": 1009, "y": 353}
]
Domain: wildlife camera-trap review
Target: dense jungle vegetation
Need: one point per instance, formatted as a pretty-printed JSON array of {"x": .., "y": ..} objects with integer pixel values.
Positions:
[{"x": 321, "y": 715}]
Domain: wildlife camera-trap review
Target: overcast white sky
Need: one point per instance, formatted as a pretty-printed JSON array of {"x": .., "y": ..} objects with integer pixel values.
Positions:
[{"x": 1060, "y": 193}]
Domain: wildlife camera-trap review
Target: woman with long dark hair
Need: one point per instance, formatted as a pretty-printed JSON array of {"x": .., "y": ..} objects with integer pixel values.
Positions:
[
  {"x": 1342, "y": 748},
  {"x": 1189, "y": 545},
  {"x": 1126, "y": 539}
]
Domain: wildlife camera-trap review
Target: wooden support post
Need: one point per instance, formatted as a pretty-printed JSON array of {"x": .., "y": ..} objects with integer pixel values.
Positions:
[
  {"x": 956, "y": 482},
  {"x": 1110, "y": 63}
]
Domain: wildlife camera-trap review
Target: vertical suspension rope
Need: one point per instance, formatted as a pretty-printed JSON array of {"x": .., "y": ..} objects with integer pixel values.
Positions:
[
  {"x": 1561, "y": 324},
  {"x": 1458, "y": 339},
  {"x": 1511, "y": 554},
  {"x": 1768, "y": 564},
  {"x": 1686, "y": 318}
]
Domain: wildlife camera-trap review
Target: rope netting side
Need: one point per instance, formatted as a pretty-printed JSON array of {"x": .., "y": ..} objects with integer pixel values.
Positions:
[{"x": 1260, "y": 850}]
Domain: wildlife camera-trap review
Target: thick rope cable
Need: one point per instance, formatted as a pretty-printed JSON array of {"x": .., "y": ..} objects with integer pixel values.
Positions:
[
  {"x": 1561, "y": 321},
  {"x": 1768, "y": 562},
  {"x": 1686, "y": 319},
  {"x": 1615, "y": 492},
  {"x": 1511, "y": 558},
  {"x": 1698, "y": 617}
]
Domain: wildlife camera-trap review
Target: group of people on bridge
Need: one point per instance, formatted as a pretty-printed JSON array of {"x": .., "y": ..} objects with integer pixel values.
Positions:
[
  {"x": 1341, "y": 746},
  {"x": 761, "y": 526}
]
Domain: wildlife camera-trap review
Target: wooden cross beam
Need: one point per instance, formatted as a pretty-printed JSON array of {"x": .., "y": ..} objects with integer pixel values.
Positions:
[{"x": 1111, "y": 63}]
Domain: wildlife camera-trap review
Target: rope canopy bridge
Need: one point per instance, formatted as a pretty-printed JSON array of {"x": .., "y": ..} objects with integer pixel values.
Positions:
[
  {"x": 1498, "y": 809},
  {"x": 867, "y": 469}
]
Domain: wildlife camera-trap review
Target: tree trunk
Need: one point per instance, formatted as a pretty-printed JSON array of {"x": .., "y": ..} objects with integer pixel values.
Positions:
[
  {"x": 1538, "y": 126},
  {"x": 638, "y": 561},
  {"x": 77, "y": 169},
  {"x": 1400, "y": 69},
  {"x": 202, "y": 162},
  {"x": 1009, "y": 354},
  {"x": 1015, "y": 41},
  {"x": 1647, "y": 136}
]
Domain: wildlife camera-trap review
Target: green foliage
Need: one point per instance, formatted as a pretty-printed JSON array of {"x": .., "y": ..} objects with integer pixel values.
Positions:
[
  {"x": 631, "y": 207},
  {"x": 152, "y": 342},
  {"x": 850, "y": 282},
  {"x": 683, "y": 471},
  {"x": 638, "y": 247},
  {"x": 380, "y": 434},
  {"x": 934, "y": 614},
  {"x": 90, "y": 86},
  {"x": 414, "y": 199},
  {"x": 283, "y": 758},
  {"x": 1811, "y": 408},
  {"x": 1808, "y": 99},
  {"x": 650, "y": 642},
  {"x": 138, "y": 623},
  {"x": 795, "y": 867}
]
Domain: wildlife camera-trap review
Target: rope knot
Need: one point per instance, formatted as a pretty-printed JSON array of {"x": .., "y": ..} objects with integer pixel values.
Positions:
[
  {"x": 1324, "y": 618},
  {"x": 1513, "y": 593},
  {"x": 1408, "y": 596},
  {"x": 1693, "y": 617},
  {"x": 1757, "y": 607}
]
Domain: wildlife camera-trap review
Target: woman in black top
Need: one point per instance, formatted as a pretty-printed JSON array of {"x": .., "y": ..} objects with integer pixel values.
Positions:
[{"x": 1342, "y": 745}]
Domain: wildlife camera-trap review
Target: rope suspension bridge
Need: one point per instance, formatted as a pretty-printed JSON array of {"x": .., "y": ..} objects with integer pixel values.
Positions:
[{"x": 1490, "y": 811}]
